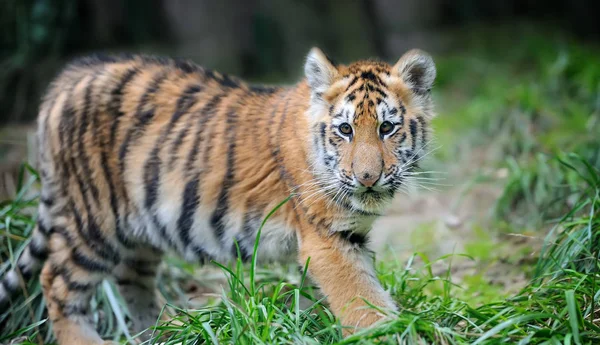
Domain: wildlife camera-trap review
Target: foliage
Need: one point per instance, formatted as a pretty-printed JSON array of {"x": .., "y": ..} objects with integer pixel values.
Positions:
[{"x": 523, "y": 102}]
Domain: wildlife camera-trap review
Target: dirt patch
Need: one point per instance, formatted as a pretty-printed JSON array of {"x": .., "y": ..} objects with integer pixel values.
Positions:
[{"x": 457, "y": 220}]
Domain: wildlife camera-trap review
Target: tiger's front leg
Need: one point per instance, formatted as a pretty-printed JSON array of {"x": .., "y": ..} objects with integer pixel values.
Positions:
[{"x": 343, "y": 268}]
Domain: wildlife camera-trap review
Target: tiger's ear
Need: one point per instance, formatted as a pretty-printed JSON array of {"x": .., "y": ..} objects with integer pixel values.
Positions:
[
  {"x": 417, "y": 69},
  {"x": 320, "y": 71}
]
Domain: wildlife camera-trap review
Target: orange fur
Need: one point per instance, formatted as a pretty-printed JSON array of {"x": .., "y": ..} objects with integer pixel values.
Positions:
[{"x": 139, "y": 155}]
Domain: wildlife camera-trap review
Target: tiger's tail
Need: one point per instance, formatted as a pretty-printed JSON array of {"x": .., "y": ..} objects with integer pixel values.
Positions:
[{"x": 28, "y": 265}]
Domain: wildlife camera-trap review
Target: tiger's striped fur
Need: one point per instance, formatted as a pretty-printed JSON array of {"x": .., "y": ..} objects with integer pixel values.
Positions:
[{"x": 141, "y": 155}]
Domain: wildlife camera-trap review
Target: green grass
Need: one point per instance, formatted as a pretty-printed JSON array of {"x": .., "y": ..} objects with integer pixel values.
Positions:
[
  {"x": 561, "y": 305},
  {"x": 523, "y": 104}
]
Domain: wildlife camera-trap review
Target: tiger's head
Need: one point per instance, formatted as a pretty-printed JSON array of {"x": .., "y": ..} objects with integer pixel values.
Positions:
[{"x": 370, "y": 124}]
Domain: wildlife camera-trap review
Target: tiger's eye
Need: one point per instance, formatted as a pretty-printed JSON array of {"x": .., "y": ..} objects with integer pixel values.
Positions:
[
  {"x": 386, "y": 128},
  {"x": 345, "y": 128}
]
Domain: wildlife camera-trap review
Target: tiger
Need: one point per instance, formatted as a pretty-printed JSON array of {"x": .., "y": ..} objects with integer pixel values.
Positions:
[{"x": 142, "y": 155}]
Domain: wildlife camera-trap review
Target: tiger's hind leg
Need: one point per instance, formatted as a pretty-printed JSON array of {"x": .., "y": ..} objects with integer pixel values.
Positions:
[
  {"x": 69, "y": 279},
  {"x": 136, "y": 278}
]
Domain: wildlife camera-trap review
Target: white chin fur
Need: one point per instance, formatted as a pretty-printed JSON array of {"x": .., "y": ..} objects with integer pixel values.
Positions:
[{"x": 378, "y": 207}]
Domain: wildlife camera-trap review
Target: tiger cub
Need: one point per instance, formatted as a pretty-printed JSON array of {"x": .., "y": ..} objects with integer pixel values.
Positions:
[{"x": 140, "y": 155}]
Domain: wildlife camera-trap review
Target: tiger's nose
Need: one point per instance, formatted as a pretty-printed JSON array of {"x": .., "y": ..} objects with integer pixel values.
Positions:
[{"x": 367, "y": 179}]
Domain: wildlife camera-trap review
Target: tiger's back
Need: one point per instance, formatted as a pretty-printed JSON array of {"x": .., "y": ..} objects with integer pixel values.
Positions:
[
  {"x": 140, "y": 155},
  {"x": 152, "y": 146}
]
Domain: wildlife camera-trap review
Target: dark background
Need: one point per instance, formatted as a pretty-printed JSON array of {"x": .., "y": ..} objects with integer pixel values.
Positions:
[{"x": 260, "y": 40}]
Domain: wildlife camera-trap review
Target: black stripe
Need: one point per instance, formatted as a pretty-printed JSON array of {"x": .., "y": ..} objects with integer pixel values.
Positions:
[
  {"x": 42, "y": 229},
  {"x": 263, "y": 90},
  {"x": 184, "y": 103},
  {"x": 228, "y": 81},
  {"x": 206, "y": 113},
  {"x": 201, "y": 254},
  {"x": 114, "y": 108},
  {"x": 413, "y": 133},
  {"x": 38, "y": 252},
  {"x": 142, "y": 118},
  {"x": 69, "y": 309},
  {"x": 123, "y": 239},
  {"x": 146, "y": 271},
  {"x": 186, "y": 66},
  {"x": 92, "y": 233},
  {"x": 381, "y": 93},
  {"x": 223, "y": 79},
  {"x": 153, "y": 164},
  {"x": 423, "y": 130},
  {"x": 250, "y": 225},
  {"x": 143, "y": 267},
  {"x": 353, "y": 238},
  {"x": 402, "y": 113},
  {"x": 217, "y": 218},
  {"x": 402, "y": 138},
  {"x": 135, "y": 283},
  {"x": 340, "y": 115},
  {"x": 143, "y": 115},
  {"x": 25, "y": 270},
  {"x": 352, "y": 82},
  {"x": 323, "y": 134},
  {"x": 331, "y": 61},
  {"x": 368, "y": 75},
  {"x": 206, "y": 156},
  {"x": 245, "y": 254},
  {"x": 93, "y": 238},
  {"x": 68, "y": 122},
  {"x": 83, "y": 158},
  {"x": 87, "y": 263},
  {"x": 178, "y": 142},
  {"x": 46, "y": 200},
  {"x": 139, "y": 263},
  {"x": 116, "y": 98},
  {"x": 190, "y": 203},
  {"x": 186, "y": 128},
  {"x": 79, "y": 286},
  {"x": 162, "y": 231},
  {"x": 316, "y": 139},
  {"x": 9, "y": 288},
  {"x": 71, "y": 284},
  {"x": 252, "y": 221},
  {"x": 66, "y": 125},
  {"x": 61, "y": 231}
]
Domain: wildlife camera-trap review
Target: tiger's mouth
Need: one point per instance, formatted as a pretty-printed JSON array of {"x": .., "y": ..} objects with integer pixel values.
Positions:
[
  {"x": 372, "y": 195},
  {"x": 372, "y": 199}
]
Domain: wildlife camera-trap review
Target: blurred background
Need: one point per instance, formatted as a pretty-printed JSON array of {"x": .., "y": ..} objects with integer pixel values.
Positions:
[
  {"x": 259, "y": 40},
  {"x": 263, "y": 40},
  {"x": 518, "y": 96}
]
